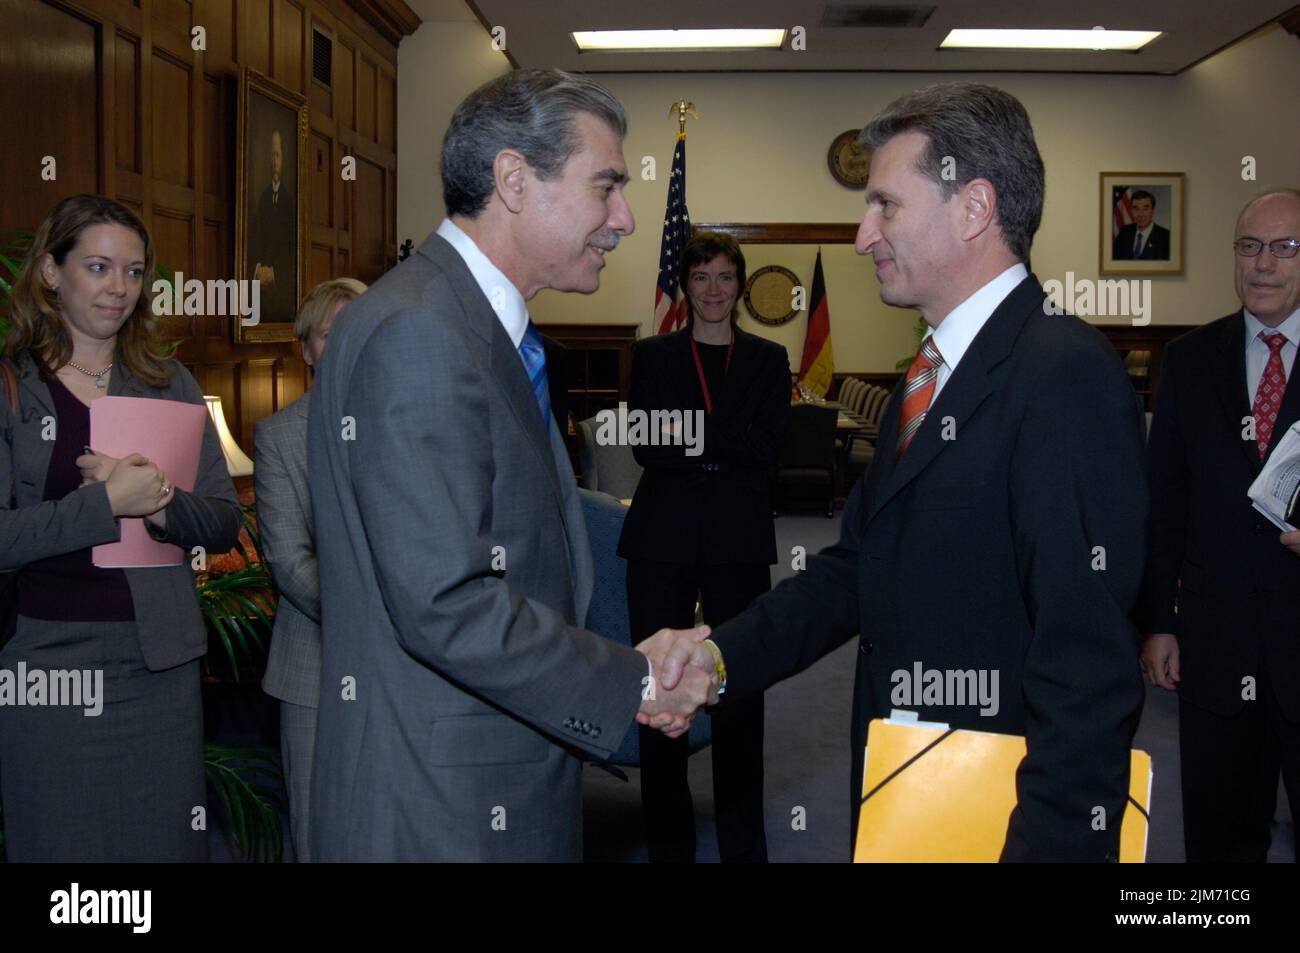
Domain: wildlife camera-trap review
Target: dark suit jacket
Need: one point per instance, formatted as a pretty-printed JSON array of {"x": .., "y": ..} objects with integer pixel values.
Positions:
[
  {"x": 273, "y": 241},
  {"x": 169, "y": 623},
  {"x": 1238, "y": 605},
  {"x": 455, "y": 575},
  {"x": 682, "y": 513},
  {"x": 1156, "y": 248},
  {"x": 978, "y": 553}
]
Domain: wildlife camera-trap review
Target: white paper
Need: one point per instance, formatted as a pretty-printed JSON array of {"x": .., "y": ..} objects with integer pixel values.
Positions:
[{"x": 1274, "y": 488}]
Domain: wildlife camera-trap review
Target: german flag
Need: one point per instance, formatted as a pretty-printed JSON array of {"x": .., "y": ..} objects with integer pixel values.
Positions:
[{"x": 818, "y": 365}]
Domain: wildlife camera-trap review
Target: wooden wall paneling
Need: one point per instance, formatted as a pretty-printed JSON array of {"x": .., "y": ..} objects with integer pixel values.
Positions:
[
  {"x": 347, "y": 188},
  {"x": 55, "y": 62},
  {"x": 367, "y": 105},
  {"x": 217, "y": 17},
  {"x": 320, "y": 264},
  {"x": 288, "y": 59},
  {"x": 126, "y": 93},
  {"x": 345, "y": 92},
  {"x": 387, "y": 118},
  {"x": 144, "y": 117},
  {"x": 253, "y": 23},
  {"x": 171, "y": 21},
  {"x": 365, "y": 34},
  {"x": 368, "y": 256},
  {"x": 171, "y": 118},
  {"x": 322, "y": 173},
  {"x": 257, "y": 385}
]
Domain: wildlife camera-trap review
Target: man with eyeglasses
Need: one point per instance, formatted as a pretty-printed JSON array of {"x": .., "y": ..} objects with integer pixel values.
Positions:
[{"x": 1220, "y": 604}]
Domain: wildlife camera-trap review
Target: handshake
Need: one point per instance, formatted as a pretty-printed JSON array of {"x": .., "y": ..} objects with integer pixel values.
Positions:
[{"x": 685, "y": 677}]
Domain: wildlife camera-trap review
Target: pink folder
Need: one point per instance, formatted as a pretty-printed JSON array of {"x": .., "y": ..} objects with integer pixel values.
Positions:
[{"x": 169, "y": 433}]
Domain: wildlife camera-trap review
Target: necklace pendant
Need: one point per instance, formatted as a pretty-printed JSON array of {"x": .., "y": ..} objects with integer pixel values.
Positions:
[{"x": 99, "y": 382}]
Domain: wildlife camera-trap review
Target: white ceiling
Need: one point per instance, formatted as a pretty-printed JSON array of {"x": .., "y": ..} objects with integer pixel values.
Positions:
[{"x": 537, "y": 32}]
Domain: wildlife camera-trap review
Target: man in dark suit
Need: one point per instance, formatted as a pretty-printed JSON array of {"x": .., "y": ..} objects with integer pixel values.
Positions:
[
  {"x": 1220, "y": 601},
  {"x": 273, "y": 241},
  {"x": 1000, "y": 527},
  {"x": 458, "y": 686},
  {"x": 1142, "y": 238}
]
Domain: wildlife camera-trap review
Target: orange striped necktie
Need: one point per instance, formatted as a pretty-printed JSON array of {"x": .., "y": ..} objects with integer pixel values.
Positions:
[{"x": 918, "y": 392}]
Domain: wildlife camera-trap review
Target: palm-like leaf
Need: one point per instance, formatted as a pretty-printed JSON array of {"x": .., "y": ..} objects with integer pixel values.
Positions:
[{"x": 249, "y": 786}]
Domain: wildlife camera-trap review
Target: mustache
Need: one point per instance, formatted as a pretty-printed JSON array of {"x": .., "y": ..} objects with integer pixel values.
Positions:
[{"x": 607, "y": 240}]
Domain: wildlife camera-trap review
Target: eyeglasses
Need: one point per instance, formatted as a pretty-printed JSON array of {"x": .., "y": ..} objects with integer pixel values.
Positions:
[{"x": 1251, "y": 247}]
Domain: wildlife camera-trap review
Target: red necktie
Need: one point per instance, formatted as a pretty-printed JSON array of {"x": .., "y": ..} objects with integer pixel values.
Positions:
[
  {"x": 1268, "y": 396},
  {"x": 918, "y": 391}
]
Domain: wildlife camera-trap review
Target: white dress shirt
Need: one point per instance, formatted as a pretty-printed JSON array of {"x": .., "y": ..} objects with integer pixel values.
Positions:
[
  {"x": 1257, "y": 351},
  {"x": 959, "y": 328},
  {"x": 504, "y": 297}
]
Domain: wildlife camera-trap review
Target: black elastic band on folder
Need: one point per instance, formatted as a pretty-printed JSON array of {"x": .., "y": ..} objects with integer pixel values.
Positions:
[
  {"x": 909, "y": 762},
  {"x": 1141, "y": 810}
]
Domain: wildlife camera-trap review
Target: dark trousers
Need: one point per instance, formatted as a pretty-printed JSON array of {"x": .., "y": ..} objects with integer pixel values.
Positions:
[
  {"x": 1230, "y": 768},
  {"x": 663, "y": 595}
]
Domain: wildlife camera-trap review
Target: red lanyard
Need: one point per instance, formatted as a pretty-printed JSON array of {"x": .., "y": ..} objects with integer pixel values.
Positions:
[{"x": 699, "y": 369}]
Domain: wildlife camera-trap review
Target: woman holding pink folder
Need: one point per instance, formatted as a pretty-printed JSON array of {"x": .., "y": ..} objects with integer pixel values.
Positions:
[{"x": 110, "y": 767}]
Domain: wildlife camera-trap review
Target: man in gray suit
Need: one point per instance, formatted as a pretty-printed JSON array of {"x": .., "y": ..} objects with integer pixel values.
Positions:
[
  {"x": 288, "y": 544},
  {"x": 458, "y": 689}
]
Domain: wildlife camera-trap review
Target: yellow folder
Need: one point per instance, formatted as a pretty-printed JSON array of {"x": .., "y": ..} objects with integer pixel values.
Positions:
[{"x": 934, "y": 794}]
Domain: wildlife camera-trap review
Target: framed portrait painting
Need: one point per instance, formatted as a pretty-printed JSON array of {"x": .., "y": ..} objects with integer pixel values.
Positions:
[
  {"x": 1142, "y": 223},
  {"x": 270, "y": 178}
]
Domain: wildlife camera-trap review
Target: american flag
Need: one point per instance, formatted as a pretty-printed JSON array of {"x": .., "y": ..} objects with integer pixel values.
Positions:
[
  {"x": 1121, "y": 210},
  {"x": 670, "y": 304}
]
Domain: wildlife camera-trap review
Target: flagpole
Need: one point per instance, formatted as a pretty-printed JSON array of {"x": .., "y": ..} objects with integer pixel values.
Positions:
[{"x": 670, "y": 301}]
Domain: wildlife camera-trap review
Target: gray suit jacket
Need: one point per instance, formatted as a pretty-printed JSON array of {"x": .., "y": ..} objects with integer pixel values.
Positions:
[
  {"x": 284, "y": 519},
  {"x": 455, "y": 572},
  {"x": 170, "y": 625}
]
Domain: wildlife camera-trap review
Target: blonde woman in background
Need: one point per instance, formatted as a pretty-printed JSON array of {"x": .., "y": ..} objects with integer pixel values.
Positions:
[{"x": 288, "y": 544}]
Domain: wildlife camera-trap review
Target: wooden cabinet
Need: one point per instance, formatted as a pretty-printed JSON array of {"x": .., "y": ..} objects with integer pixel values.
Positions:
[
  {"x": 597, "y": 371},
  {"x": 1142, "y": 351}
]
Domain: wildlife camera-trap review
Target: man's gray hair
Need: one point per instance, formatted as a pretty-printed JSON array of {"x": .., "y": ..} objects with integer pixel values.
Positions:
[
  {"x": 986, "y": 133},
  {"x": 1267, "y": 193},
  {"x": 531, "y": 110}
]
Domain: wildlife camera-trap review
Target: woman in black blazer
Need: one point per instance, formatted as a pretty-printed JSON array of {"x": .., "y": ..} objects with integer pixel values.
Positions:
[
  {"x": 117, "y": 775},
  {"x": 700, "y": 528}
]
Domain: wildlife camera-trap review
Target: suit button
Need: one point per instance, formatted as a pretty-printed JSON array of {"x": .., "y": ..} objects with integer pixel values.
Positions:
[
  {"x": 595, "y": 732},
  {"x": 866, "y": 648},
  {"x": 568, "y": 723},
  {"x": 586, "y": 727}
]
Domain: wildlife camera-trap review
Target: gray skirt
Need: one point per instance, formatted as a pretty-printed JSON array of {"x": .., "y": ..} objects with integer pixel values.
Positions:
[{"x": 123, "y": 784}]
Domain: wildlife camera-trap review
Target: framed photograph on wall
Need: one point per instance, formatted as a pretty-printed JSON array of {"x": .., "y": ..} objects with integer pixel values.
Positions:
[
  {"x": 270, "y": 194},
  {"x": 1142, "y": 225}
]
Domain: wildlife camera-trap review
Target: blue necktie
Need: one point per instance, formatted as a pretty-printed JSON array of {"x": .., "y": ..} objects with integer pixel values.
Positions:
[
  {"x": 534, "y": 355},
  {"x": 1137, "y": 246}
]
